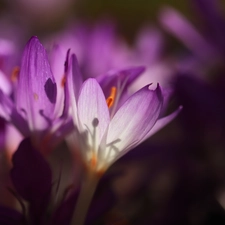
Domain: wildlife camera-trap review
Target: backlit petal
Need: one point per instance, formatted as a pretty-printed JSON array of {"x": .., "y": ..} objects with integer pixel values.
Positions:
[
  {"x": 92, "y": 110},
  {"x": 134, "y": 120},
  {"x": 36, "y": 93}
]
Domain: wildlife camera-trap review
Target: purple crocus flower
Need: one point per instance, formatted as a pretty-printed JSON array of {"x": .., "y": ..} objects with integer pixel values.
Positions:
[
  {"x": 103, "y": 135},
  {"x": 34, "y": 112}
]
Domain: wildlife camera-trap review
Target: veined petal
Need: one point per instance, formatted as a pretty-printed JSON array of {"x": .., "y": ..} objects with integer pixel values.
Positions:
[
  {"x": 133, "y": 121},
  {"x": 93, "y": 111},
  {"x": 36, "y": 93}
]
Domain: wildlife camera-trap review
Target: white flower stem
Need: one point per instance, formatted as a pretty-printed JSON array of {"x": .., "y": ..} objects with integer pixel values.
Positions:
[{"x": 87, "y": 191}]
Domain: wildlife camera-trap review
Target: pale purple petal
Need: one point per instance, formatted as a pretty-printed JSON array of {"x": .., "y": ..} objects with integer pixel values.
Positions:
[
  {"x": 92, "y": 109},
  {"x": 36, "y": 93},
  {"x": 134, "y": 119}
]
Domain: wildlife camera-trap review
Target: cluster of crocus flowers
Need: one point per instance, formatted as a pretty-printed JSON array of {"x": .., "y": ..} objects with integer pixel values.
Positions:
[{"x": 105, "y": 119}]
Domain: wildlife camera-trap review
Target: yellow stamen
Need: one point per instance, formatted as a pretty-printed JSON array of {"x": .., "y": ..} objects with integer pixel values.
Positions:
[
  {"x": 15, "y": 74},
  {"x": 111, "y": 99}
]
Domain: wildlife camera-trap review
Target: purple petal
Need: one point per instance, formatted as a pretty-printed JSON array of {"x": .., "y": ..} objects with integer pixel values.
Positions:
[
  {"x": 58, "y": 65},
  {"x": 36, "y": 93},
  {"x": 135, "y": 119},
  {"x": 167, "y": 93},
  {"x": 119, "y": 77},
  {"x": 93, "y": 111},
  {"x": 213, "y": 18},
  {"x": 5, "y": 85},
  {"x": 163, "y": 122},
  {"x": 74, "y": 83},
  {"x": 9, "y": 113},
  {"x": 2, "y": 133},
  {"x": 31, "y": 176},
  {"x": 176, "y": 24},
  {"x": 149, "y": 44}
]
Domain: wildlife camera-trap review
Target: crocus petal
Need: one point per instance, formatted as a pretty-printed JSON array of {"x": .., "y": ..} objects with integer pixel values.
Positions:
[
  {"x": 36, "y": 93},
  {"x": 9, "y": 113},
  {"x": 121, "y": 79},
  {"x": 32, "y": 178},
  {"x": 134, "y": 120},
  {"x": 162, "y": 123},
  {"x": 2, "y": 133},
  {"x": 149, "y": 44},
  {"x": 113, "y": 77},
  {"x": 176, "y": 24},
  {"x": 57, "y": 61},
  {"x": 73, "y": 85},
  {"x": 5, "y": 85},
  {"x": 212, "y": 15},
  {"x": 92, "y": 110}
]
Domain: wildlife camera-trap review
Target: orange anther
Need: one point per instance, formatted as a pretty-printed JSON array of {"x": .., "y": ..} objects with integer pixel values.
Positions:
[
  {"x": 15, "y": 73},
  {"x": 110, "y": 100},
  {"x": 63, "y": 81},
  {"x": 36, "y": 96}
]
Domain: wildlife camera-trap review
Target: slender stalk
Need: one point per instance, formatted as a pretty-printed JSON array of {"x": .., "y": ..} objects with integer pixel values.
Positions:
[{"x": 84, "y": 199}]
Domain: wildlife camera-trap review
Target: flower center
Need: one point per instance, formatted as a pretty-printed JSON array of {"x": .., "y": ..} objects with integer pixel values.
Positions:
[{"x": 111, "y": 99}]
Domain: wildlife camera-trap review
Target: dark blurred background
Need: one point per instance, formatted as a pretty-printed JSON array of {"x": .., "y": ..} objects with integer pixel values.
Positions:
[{"x": 130, "y": 15}]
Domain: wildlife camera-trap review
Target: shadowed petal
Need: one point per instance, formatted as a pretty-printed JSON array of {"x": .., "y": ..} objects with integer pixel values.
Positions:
[
  {"x": 124, "y": 76},
  {"x": 2, "y": 133},
  {"x": 32, "y": 178},
  {"x": 163, "y": 122}
]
